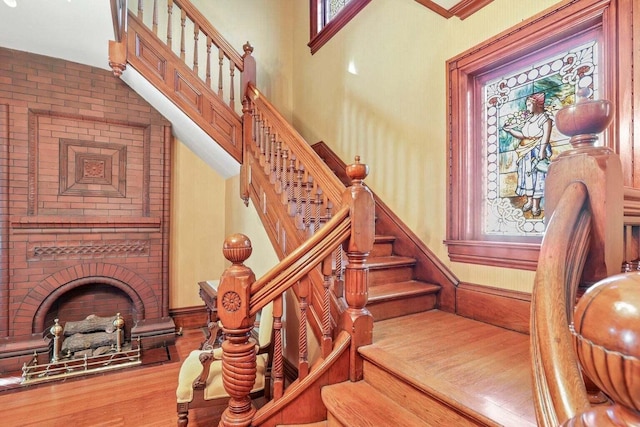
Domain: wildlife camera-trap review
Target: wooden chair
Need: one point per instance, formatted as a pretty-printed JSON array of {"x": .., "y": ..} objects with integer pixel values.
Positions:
[{"x": 200, "y": 378}]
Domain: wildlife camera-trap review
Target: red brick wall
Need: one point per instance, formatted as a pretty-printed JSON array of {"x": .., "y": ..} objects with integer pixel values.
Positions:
[{"x": 84, "y": 196}]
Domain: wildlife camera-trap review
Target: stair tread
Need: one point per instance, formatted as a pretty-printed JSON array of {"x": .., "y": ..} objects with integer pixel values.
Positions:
[
  {"x": 390, "y": 261},
  {"x": 474, "y": 366},
  {"x": 358, "y": 404},
  {"x": 380, "y": 238},
  {"x": 407, "y": 289}
]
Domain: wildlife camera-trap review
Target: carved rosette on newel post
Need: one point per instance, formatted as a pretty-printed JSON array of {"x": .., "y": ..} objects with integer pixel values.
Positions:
[
  {"x": 238, "y": 349},
  {"x": 357, "y": 320}
]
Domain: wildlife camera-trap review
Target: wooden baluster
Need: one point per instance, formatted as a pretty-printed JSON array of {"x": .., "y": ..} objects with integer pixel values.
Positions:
[
  {"x": 140, "y": 11},
  {"x": 169, "y": 24},
  {"x": 316, "y": 222},
  {"x": 238, "y": 348},
  {"x": 277, "y": 370},
  {"x": 263, "y": 147},
  {"x": 356, "y": 319},
  {"x": 183, "y": 20},
  {"x": 278, "y": 168},
  {"x": 338, "y": 279},
  {"x": 155, "y": 17},
  {"x": 268, "y": 167},
  {"x": 327, "y": 342},
  {"x": 307, "y": 204},
  {"x": 256, "y": 120},
  {"x": 220, "y": 62},
  {"x": 232, "y": 87},
  {"x": 196, "y": 36},
  {"x": 298, "y": 212},
  {"x": 303, "y": 362},
  {"x": 208, "y": 72},
  {"x": 291, "y": 206},
  {"x": 284, "y": 176}
]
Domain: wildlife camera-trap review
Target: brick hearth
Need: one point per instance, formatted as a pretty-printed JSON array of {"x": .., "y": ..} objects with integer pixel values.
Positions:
[{"x": 84, "y": 204}]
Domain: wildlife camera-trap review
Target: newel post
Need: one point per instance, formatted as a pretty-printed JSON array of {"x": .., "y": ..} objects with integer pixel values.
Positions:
[
  {"x": 238, "y": 349},
  {"x": 118, "y": 47},
  {"x": 248, "y": 76},
  {"x": 599, "y": 168},
  {"x": 357, "y": 320}
]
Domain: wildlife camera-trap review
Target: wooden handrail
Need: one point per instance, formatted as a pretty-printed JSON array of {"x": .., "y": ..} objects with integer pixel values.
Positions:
[
  {"x": 326, "y": 179},
  {"x": 559, "y": 391},
  {"x": 301, "y": 261}
]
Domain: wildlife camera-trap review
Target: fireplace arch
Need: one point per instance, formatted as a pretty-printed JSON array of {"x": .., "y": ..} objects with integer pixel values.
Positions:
[{"x": 40, "y": 299}]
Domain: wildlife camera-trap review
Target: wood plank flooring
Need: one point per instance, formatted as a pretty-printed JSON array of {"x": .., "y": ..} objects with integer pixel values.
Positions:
[{"x": 143, "y": 396}]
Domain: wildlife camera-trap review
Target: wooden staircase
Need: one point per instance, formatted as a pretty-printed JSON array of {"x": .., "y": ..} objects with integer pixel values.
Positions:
[
  {"x": 393, "y": 289},
  {"x": 414, "y": 370}
]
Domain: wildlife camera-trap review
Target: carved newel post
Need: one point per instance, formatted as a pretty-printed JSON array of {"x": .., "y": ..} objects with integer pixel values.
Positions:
[
  {"x": 238, "y": 349},
  {"x": 357, "y": 320},
  {"x": 600, "y": 170},
  {"x": 606, "y": 335}
]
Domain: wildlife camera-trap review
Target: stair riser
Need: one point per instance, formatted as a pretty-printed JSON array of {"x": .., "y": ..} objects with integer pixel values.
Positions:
[
  {"x": 416, "y": 401},
  {"x": 382, "y": 249},
  {"x": 390, "y": 275},
  {"x": 401, "y": 307}
]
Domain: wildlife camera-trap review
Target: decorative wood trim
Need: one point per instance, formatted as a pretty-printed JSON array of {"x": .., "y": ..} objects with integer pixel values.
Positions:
[
  {"x": 319, "y": 38},
  {"x": 462, "y": 10},
  {"x": 500, "y": 307},
  {"x": 153, "y": 59},
  {"x": 42, "y": 221}
]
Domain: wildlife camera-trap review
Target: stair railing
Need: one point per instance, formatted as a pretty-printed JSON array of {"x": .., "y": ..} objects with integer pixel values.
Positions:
[
  {"x": 583, "y": 244},
  {"x": 173, "y": 46},
  {"x": 241, "y": 297}
]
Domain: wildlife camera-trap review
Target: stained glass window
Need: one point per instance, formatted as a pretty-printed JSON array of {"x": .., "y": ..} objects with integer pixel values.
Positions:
[{"x": 520, "y": 138}]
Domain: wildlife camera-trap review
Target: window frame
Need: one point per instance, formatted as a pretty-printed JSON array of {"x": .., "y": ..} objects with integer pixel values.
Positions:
[
  {"x": 321, "y": 35},
  {"x": 465, "y": 243}
]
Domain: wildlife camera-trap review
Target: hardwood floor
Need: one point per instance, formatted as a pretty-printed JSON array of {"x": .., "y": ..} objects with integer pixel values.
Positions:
[{"x": 143, "y": 396}]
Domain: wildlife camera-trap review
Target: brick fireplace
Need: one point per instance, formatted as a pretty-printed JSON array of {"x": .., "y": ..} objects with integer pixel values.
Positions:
[{"x": 84, "y": 205}]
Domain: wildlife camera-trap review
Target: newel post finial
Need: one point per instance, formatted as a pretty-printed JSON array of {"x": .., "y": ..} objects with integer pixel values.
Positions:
[
  {"x": 234, "y": 294},
  {"x": 357, "y": 320},
  {"x": 249, "y": 70}
]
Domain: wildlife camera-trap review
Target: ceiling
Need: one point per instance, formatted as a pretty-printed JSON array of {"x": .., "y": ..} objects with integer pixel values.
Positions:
[{"x": 79, "y": 31}]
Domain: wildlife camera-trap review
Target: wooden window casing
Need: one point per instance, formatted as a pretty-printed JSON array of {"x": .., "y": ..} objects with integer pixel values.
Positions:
[
  {"x": 464, "y": 238},
  {"x": 321, "y": 32}
]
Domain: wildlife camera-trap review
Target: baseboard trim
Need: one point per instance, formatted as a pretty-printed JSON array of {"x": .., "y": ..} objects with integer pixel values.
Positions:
[
  {"x": 500, "y": 307},
  {"x": 189, "y": 317}
]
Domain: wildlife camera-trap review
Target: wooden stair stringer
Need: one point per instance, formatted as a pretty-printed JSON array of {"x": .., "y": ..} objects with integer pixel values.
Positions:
[{"x": 299, "y": 402}]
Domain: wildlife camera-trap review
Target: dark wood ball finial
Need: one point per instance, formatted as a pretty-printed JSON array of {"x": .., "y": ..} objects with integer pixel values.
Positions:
[{"x": 237, "y": 248}]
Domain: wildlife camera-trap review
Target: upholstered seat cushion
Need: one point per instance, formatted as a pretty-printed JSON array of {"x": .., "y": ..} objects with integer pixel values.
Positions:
[{"x": 192, "y": 368}]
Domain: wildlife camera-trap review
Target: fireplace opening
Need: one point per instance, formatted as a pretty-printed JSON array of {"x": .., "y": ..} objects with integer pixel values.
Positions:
[
  {"x": 93, "y": 299},
  {"x": 90, "y": 330}
]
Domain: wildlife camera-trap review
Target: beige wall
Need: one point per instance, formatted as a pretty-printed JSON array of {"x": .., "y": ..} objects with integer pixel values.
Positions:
[
  {"x": 197, "y": 226},
  {"x": 392, "y": 112}
]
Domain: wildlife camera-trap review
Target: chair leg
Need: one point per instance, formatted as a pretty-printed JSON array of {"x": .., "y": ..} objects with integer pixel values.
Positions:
[{"x": 183, "y": 414}]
